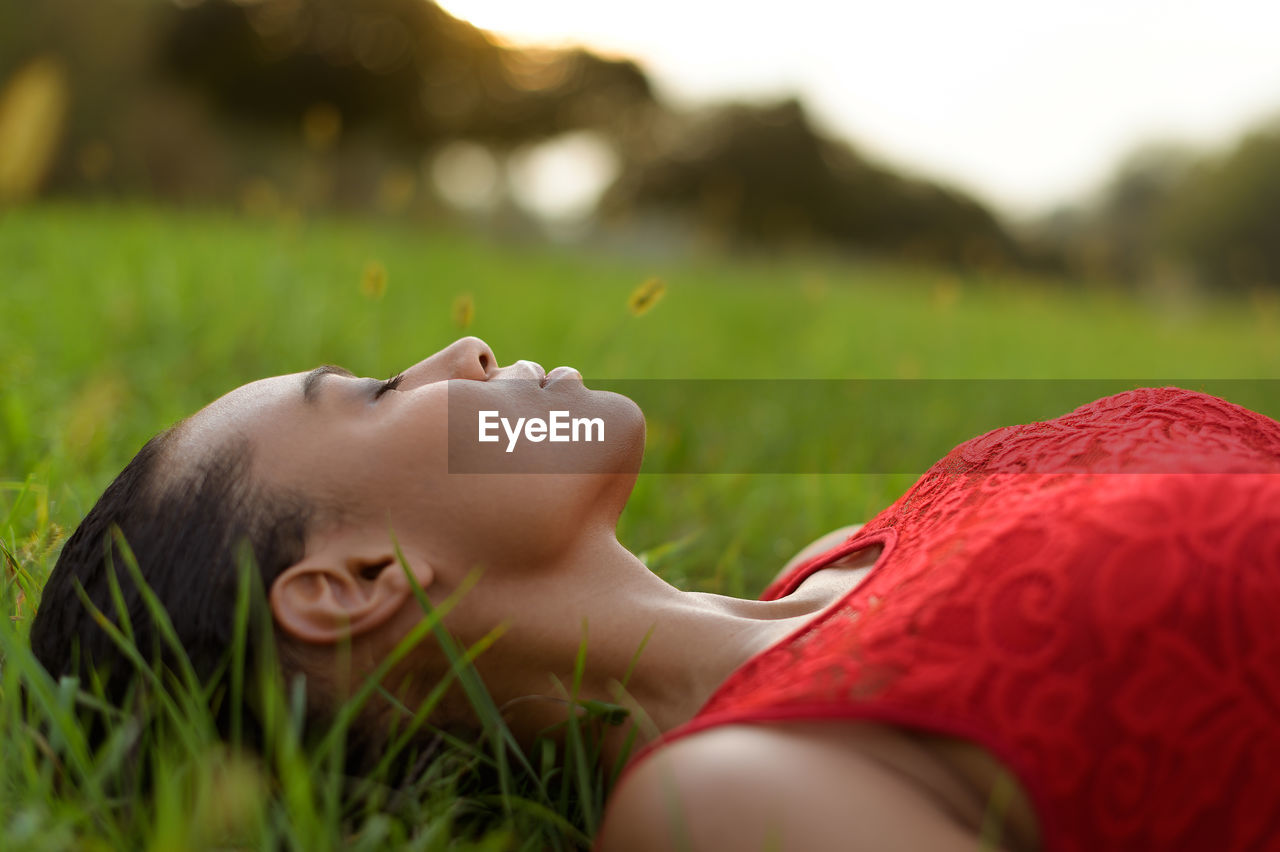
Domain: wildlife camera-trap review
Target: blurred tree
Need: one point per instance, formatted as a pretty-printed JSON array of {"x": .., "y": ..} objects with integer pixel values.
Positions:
[
  {"x": 1224, "y": 220},
  {"x": 1115, "y": 235},
  {"x": 103, "y": 48},
  {"x": 1133, "y": 203},
  {"x": 1171, "y": 216},
  {"x": 748, "y": 175},
  {"x": 307, "y": 102},
  {"x": 404, "y": 70}
]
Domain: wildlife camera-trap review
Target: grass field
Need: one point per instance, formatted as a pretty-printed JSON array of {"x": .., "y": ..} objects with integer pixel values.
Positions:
[{"x": 117, "y": 321}]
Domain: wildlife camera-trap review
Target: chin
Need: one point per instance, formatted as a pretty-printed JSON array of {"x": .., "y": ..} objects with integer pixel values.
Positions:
[{"x": 629, "y": 449}]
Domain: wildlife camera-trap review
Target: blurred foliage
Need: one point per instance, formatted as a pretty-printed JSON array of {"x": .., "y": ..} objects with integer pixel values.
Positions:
[
  {"x": 116, "y": 120},
  {"x": 749, "y": 175},
  {"x": 283, "y": 107},
  {"x": 1116, "y": 236},
  {"x": 1223, "y": 220},
  {"x": 292, "y": 105},
  {"x": 1173, "y": 219},
  {"x": 403, "y": 69}
]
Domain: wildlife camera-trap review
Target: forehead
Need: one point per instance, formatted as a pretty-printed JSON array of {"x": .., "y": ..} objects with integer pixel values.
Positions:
[
  {"x": 248, "y": 406},
  {"x": 242, "y": 413}
]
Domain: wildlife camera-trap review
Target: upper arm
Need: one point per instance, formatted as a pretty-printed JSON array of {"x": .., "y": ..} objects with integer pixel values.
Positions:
[
  {"x": 762, "y": 787},
  {"x": 818, "y": 545}
]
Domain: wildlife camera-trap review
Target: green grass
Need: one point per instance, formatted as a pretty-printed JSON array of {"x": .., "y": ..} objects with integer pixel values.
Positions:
[{"x": 117, "y": 321}]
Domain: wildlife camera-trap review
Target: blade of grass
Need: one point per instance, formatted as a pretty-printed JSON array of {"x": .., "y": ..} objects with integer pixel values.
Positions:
[
  {"x": 159, "y": 615},
  {"x": 503, "y": 740}
]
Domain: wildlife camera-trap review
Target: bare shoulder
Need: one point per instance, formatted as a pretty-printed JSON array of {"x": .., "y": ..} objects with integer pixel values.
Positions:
[{"x": 773, "y": 787}]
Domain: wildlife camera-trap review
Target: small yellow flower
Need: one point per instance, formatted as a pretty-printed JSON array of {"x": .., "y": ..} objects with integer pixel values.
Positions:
[
  {"x": 946, "y": 292},
  {"x": 396, "y": 190},
  {"x": 259, "y": 198},
  {"x": 33, "y": 105},
  {"x": 644, "y": 297},
  {"x": 227, "y": 795},
  {"x": 814, "y": 287},
  {"x": 464, "y": 310},
  {"x": 373, "y": 284}
]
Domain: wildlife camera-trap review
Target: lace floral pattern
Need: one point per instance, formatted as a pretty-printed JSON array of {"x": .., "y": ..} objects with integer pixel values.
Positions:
[{"x": 1095, "y": 599}]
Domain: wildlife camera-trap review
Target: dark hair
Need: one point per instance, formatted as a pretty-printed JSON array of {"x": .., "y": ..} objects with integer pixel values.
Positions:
[{"x": 186, "y": 523}]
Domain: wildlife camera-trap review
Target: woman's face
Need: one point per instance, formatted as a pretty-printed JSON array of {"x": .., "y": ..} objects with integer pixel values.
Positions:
[{"x": 408, "y": 455}]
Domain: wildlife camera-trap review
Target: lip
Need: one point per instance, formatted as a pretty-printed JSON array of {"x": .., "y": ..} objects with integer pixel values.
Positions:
[
  {"x": 561, "y": 374},
  {"x": 538, "y": 373}
]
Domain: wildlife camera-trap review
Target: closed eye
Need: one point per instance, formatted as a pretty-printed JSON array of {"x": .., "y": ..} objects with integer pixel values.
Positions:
[{"x": 388, "y": 385}]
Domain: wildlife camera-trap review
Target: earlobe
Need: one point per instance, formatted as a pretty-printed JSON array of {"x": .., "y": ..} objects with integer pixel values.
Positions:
[{"x": 332, "y": 595}]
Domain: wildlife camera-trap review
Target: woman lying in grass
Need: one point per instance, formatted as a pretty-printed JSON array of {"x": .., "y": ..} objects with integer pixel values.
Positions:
[{"x": 1061, "y": 637}]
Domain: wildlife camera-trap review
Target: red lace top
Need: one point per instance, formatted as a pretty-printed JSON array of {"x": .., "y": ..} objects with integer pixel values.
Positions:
[{"x": 1094, "y": 599}]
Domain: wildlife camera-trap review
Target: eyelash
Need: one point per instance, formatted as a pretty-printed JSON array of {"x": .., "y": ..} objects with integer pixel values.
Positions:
[{"x": 389, "y": 384}]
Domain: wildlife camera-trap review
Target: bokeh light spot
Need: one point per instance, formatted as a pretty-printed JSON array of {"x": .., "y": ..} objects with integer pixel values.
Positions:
[
  {"x": 564, "y": 177},
  {"x": 466, "y": 176}
]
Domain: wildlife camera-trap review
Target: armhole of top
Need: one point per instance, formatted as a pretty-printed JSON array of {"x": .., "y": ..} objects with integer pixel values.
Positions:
[{"x": 863, "y": 538}]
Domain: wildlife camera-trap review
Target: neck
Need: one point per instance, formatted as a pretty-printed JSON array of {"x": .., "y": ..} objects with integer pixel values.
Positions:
[{"x": 656, "y": 650}]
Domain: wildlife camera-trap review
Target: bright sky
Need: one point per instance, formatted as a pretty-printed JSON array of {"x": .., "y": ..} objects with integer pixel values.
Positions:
[{"x": 1024, "y": 102}]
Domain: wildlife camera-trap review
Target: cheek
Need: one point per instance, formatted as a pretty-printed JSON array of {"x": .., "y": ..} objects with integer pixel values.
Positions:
[
  {"x": 468, "y": 502},
  {"x": 380, "y": 464},
  {"x": 515, "y": 427}
]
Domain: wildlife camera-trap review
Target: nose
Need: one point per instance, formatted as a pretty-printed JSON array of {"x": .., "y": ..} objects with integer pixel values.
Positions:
[
  {"x": 472, "y": 359},
  {"x": 467, "y": 358}
]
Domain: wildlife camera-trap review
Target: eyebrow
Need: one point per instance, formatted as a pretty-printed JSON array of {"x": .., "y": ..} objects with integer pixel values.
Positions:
[{"x": 311, "y": 381}]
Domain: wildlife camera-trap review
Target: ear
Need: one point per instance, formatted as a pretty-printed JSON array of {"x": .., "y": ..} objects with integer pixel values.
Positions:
[{"x": 342, "y": 590}]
